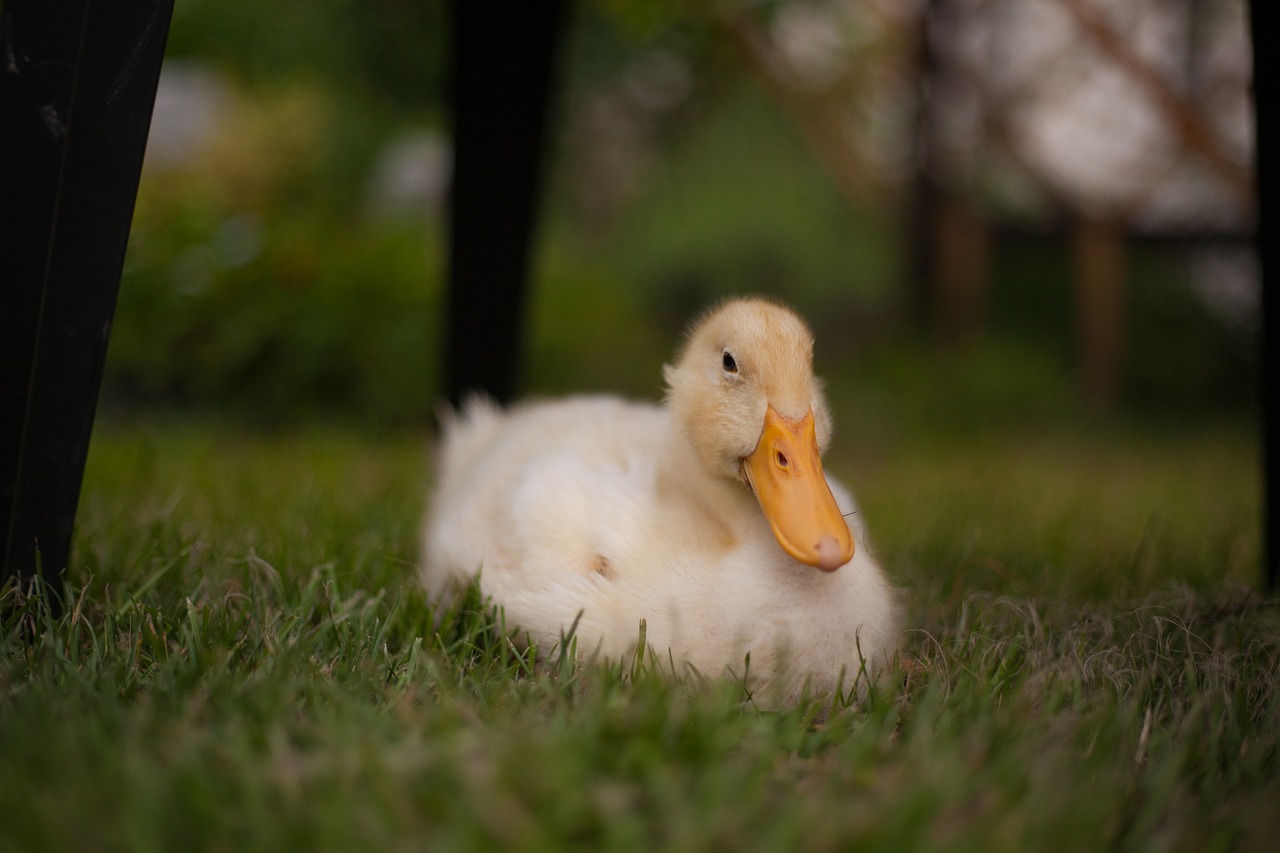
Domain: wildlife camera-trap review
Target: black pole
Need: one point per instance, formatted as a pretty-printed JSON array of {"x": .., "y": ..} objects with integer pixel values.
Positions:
[
  {"x": 921, "y": 245},
  {"x": 503, "y": 71},
  {"x": 1266, "y": 172},
  {"x": 77, "y": 86}
]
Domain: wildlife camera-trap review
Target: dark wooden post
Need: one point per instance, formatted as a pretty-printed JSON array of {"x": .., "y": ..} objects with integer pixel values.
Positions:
[
  {"x": 1263, "y": 22},
  {"x": 503, "y": 67},
  {"x": 77, "y": 86},
  {"x": 1100, "y": 294},
  {"x": 922, "y": 263}
]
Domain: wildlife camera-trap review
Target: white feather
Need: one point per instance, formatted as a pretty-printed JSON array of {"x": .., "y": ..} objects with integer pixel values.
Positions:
[{"x": 609, "y": 512}]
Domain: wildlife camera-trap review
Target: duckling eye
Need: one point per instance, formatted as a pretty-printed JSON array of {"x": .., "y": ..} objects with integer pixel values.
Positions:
[{"x": 730, "y": 366}]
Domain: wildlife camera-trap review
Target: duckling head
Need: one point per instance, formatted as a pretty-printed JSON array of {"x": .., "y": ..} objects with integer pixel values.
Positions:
[{"x": 743, "y": 393}]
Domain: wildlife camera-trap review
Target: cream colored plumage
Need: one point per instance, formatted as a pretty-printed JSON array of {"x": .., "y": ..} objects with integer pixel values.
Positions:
[{"x": 609, "y": 512}]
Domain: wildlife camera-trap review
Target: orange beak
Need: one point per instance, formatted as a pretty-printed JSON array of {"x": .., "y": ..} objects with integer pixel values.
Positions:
[{"x": 785, "y": 472}]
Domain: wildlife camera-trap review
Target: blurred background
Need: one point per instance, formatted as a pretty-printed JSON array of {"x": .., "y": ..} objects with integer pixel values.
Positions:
[{"x": 995, "y": 213}]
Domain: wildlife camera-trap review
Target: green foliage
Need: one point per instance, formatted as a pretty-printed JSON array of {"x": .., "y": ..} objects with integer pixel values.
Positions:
[
  {"x": 258, "y": 282},
  {"x": 1179, "y": 358},
  {"x": 1183, "y": 359},
  {"x": 276, "y": 316},
  {"x": 743, "y": 206},
  {"x": 389, "y": 50}
]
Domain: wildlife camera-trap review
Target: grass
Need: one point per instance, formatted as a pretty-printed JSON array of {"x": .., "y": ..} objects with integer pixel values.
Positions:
[{"x": 244, "y": 663}]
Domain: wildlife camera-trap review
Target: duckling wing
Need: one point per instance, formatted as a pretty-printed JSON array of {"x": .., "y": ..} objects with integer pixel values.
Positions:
[{"x": 541, "y": 494}]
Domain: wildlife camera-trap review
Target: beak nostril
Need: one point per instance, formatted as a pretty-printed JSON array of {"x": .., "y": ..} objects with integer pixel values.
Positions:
[{"x": 782, "y": 459}]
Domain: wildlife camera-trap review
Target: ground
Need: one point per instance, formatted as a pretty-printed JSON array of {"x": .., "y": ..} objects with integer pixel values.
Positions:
[{"x": 244, "y": 662}]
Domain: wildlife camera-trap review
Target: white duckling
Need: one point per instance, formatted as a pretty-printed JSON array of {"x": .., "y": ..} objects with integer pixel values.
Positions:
[{"x": 709, "y": 517}]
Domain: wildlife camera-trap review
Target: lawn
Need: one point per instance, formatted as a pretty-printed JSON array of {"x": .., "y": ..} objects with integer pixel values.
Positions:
[{"x": 245, "y": 663}]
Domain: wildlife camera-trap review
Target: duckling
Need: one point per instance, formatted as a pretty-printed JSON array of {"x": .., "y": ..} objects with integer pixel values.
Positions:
[{"x": 708, "y": 517}]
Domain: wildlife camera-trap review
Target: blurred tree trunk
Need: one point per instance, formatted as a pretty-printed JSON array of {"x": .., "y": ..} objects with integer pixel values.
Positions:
[
  {"x": 1099, "y": 247},
  {"x": 962, "y": 261},
  {"x": 922, "y": 260}
]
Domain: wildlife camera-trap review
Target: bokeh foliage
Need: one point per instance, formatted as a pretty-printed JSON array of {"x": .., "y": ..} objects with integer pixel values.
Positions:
[{"x": 260, "y": 281}]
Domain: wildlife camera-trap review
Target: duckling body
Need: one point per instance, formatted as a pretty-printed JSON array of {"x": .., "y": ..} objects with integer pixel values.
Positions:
[{"x": 610, "y": 512}]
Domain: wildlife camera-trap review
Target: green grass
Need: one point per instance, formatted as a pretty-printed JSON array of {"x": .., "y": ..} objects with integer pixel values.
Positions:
[{"x": 244, "y": 663}]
